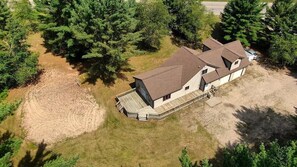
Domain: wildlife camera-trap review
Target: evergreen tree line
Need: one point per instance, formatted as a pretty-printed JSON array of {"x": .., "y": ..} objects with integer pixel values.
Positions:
[
  {"x": 274, "y": 31},
  {"x": 105, "y": 33},
  {"x": 17, "y": 64},
  {"x": 271, "y": 155}
]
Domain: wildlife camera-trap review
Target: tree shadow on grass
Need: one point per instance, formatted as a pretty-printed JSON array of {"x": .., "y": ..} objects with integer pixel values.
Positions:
[
  {"x": 93, "y": 69},
  {"x": 262, "y": 125},
  {"x": 39, "y": 159},
  {"x": 108, "y": 79}
]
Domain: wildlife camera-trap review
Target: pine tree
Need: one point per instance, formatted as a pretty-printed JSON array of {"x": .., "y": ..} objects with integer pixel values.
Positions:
[
  {"x": 4, "y": 15},
  {"x": 114, "y": 37},
  {"x": 281, "y": 29},
  {"x": 23, "y": 10},
  {"x": 185, "y": 160},
  {"x": 55, "y": 25},
  {"x": 102, "y": 32},
  {"x": 281, "y": 19},
  {"x": 17, "y": 64},
  {"x": 154, "y": 22},
  {"x": 241, "y": 20},
  {"x": 240, "y": 156},
  {"x": 61, "y": 162},
  {"x": 283, "y": 49}
]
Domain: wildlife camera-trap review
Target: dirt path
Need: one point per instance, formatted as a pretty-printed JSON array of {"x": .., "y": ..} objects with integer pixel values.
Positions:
[
  {"x": 56, "y": 107},
  {"x": 255, "y": 108}
]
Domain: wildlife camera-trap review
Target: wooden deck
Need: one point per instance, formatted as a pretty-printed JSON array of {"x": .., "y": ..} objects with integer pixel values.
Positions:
[
  {"x": 131, "y": 101},
  {"x": 179, "y": 102},
  {"x": 135, "y": 107}
]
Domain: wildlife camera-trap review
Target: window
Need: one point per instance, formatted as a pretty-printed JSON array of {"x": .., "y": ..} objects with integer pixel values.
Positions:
[
  {"x": 186, "y": 88},
  {"x": 236, "y": 63},
  {"x": 166, "y": 97},
  {"x": 204, "y": 71}
]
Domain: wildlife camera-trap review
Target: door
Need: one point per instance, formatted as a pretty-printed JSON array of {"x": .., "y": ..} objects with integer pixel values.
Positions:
[{"x": 202, "y": 84}]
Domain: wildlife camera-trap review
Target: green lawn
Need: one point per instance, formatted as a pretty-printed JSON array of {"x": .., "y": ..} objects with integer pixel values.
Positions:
[{"x": 121, "y": 141}]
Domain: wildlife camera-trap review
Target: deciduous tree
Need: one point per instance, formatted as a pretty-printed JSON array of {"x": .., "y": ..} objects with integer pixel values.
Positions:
[
  {"x": 154, "y": 22},
  {"x": 188, "y": 19}
]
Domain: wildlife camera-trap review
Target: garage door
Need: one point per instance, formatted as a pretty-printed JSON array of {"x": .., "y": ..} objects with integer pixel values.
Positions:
[
  {"x": 236, "y": 74},
  {"x": 224, "y": 79}
]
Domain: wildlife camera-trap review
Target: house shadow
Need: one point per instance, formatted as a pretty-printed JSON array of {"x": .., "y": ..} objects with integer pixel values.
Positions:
[{"x": 39, "y": 158}]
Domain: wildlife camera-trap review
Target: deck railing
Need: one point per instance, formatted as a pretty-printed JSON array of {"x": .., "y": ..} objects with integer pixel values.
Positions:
[
  {"x": 161, "y": 115},
  {"x": 124, "y": 93},
  {"x": 179, "y": 107}
]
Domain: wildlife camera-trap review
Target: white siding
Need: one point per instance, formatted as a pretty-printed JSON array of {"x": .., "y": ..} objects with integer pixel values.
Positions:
[
  {"x": 224, "y": 80},
  {"x": 193, "y": 84},
  {"x": 233, "y": 66},
  {"x": 215, "y": 83},
  {"x": 236, "y": 74},
  {"x": 243, "y": 71}
]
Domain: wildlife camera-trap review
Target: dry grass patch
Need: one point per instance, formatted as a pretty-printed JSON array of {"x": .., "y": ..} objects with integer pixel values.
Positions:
[
  {"x": 126, "y": 142},
  {"x": 121, "y": 141}
]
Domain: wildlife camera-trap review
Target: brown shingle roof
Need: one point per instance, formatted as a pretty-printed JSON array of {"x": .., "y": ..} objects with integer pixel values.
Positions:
[
  {"x": 210, "y": 77},
  {"x": 162, "y": 81},
  {"x": 174, "y": 73},
  {"x": 191, "y": 64},
  {"x": 222, "y": 72},
  {"x": 230, "y": 56},
  {"x": 236, "y": 48},
  {"x": 212, "y": 43},
  {"x": 213, "y": 57}
]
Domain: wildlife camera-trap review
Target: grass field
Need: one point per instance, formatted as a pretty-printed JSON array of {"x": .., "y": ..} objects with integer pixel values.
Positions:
[
  {"x": 126, "y": 142},
  {"x": 121, "y": 141}
]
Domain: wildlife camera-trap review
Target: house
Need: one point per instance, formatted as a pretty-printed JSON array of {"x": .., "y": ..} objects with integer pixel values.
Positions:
[{"x": 188, "y": 71}]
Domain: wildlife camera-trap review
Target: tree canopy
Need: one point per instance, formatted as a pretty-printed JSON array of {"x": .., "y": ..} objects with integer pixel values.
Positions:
[
  {"x": 185, "y": 161},
  {"x": 17, "y": 64},
  {"x": 103, "y": 32},
  {"x": 154, "y": 20},
  {"x": 241, "y": 155},
  {"x": 188, "y": 20},
  {"x": 61, "y": 162},
  {"x": 281, "y": 31},
  {"x": 241, "y": 20},
  {"x": 281, "y": 18}
]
